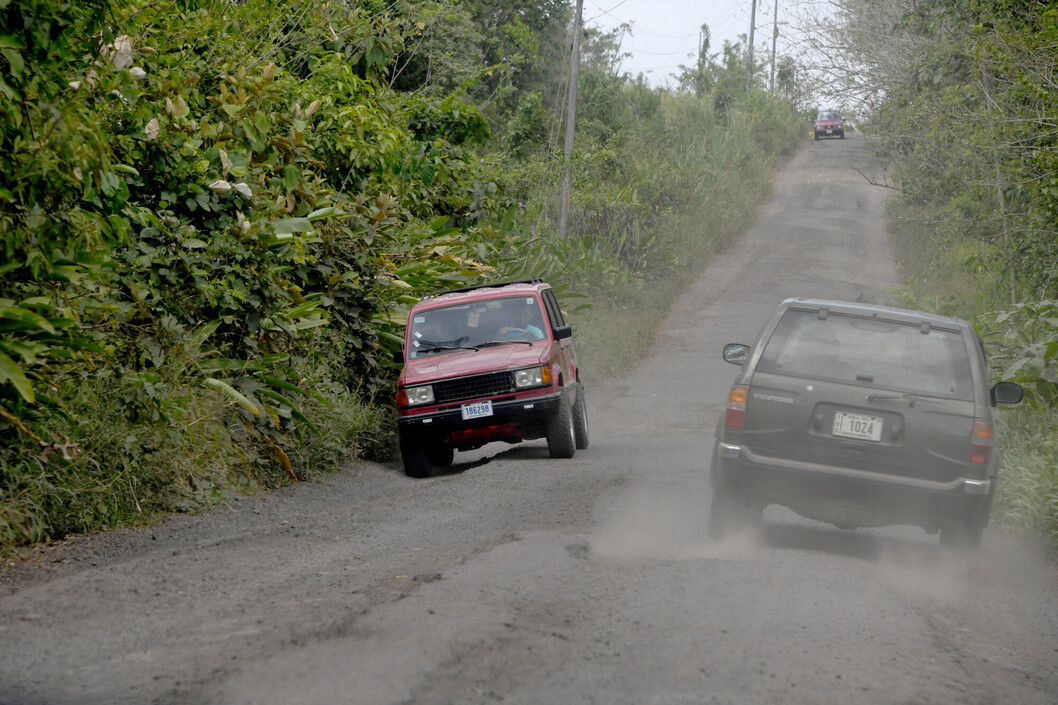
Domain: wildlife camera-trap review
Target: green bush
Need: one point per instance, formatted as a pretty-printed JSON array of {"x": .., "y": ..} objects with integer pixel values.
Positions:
[
  {"x": 1022, "y": 345},
  {"x": 208, "y": 263}
]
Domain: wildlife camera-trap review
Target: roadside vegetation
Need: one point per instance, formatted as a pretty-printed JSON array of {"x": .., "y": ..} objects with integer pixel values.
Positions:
[
  {"x": 213, "y": 216},
  {"x": 960, "y": 99}
]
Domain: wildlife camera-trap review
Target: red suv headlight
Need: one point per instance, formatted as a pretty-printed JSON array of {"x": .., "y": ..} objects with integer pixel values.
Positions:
[
  {"x": 532, "y": 377},
  {"x": 415, "y": 396}
]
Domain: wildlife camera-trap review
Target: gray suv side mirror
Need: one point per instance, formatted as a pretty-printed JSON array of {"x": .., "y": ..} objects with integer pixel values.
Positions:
[
  {"x": 1007, "y": 393},
  {"x": 736, "y": 353}
]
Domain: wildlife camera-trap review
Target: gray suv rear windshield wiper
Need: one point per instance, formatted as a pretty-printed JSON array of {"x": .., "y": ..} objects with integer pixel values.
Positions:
[{"x": 911, "y": 397}]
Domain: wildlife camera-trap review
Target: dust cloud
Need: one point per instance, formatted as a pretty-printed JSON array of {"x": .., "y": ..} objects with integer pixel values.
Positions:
[
  {"x": 659, "y": 523},
  {"x": 925, "y": 569},
  {"x": 665, "y": 524}
]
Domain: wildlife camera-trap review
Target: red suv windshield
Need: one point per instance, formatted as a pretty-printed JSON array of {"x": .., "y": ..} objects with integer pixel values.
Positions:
[{"x": 470, "y": 324}]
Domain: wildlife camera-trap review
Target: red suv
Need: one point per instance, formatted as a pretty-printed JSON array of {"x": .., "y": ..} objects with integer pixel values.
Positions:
[
  {"x": 492, "y": 362},
  {"x": 829, "y": 124}
]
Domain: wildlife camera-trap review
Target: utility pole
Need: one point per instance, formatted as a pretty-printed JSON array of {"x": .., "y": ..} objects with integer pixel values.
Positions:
[
  {"x": 774, "y": 37},
  {"x": 571, "y": 123},
  {"x": 698, "y": 76},
  {"x": 700, "y": 84},
  {"x": 749, "y": 62}
]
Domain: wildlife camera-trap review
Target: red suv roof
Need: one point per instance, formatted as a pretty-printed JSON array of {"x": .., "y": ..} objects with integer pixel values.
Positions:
[{"x": 482, "y": 291}]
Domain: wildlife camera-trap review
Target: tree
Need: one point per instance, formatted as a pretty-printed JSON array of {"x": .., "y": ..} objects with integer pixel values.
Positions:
[
  {"x": 698, "y": 79},
  {"x": 961, "y": 98}
]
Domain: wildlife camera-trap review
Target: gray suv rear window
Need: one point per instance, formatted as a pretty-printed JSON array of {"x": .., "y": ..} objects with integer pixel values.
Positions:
[{"x": 870, "y": 352}]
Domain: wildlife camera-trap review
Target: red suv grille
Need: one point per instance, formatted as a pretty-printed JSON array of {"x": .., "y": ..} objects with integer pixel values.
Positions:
[{"x": 486, "y": 385}]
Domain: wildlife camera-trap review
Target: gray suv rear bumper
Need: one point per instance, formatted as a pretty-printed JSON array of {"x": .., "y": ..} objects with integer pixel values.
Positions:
[{"x": 856, "y": 497}]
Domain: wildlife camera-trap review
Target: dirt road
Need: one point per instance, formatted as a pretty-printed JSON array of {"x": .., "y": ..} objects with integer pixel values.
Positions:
[{"x": 522, "y": 579}]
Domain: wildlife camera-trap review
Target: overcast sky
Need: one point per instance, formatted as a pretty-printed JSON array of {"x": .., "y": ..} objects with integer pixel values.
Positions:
[{"x": 665, "y": 32}]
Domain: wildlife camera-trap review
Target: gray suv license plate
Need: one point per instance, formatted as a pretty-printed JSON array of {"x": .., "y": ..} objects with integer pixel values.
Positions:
[{"x": 859, "y": 426}]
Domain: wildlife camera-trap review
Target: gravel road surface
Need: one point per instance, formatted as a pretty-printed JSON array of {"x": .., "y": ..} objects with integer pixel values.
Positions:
[{"x": 523, "y": 579}]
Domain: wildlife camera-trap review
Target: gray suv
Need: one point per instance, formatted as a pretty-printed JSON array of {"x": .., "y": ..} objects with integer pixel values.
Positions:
[{"x": 857, "y": 416}]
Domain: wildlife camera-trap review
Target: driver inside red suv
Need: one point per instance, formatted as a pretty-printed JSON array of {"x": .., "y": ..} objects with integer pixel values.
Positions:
[{"x": 523, "y": 324}]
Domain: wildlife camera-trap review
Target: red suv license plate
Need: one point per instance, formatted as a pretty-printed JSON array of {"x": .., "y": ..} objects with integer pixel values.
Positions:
[{"x": 477, "y": 410}]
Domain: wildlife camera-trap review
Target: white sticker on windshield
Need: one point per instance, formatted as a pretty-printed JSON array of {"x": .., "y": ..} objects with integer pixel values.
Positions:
[{"x": 420, "y": 319}]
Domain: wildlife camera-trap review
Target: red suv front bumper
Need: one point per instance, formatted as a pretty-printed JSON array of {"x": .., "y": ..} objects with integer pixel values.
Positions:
[{"x": 512, "y": 420}]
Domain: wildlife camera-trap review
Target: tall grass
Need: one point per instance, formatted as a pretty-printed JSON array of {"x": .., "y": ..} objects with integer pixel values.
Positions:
[
  {"x": 950, "y": 275},
  {"x": 1027, "y": 497},
  {"x": 127, "y": 472}
]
